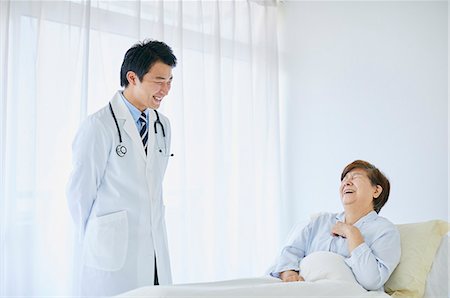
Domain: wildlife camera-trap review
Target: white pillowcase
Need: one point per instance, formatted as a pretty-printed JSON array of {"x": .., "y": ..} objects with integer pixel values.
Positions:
[
  {"x": 438, "y": 279},
  {"x": 325, "y": 265}
]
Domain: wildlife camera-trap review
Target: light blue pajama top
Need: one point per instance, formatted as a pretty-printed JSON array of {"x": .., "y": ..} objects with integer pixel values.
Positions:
[{"x": 372, "y": 262}]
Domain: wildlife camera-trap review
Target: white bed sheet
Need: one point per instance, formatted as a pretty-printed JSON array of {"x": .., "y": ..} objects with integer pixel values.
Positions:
[
  {"x": 326, "y": 275},
  {"x": 258, "y": 287}
]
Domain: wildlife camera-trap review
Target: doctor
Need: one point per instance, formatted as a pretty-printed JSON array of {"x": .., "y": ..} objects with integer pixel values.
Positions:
[{"x": 120, "y": 154}]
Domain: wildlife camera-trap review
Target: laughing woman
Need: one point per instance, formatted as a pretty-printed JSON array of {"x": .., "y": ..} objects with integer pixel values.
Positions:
[{"x": 369, "y": 243}]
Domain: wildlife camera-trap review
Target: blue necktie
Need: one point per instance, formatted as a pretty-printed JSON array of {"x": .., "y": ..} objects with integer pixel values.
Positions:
[{"x": 144, "y": 131}]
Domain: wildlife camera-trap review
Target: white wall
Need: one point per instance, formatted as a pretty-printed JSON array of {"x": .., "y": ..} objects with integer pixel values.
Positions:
[{"x": 365, "y": 80}]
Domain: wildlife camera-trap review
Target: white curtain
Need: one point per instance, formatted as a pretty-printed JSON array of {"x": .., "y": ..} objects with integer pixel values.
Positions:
[{"x": 60, "y": 61}]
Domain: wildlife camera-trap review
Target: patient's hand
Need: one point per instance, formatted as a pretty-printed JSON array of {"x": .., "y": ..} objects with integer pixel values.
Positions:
[
  {"x": 291, "y": 275},
  {"x": 352, "y": 233}
]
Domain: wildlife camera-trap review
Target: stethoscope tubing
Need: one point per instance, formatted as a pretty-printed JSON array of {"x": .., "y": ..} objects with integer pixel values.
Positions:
[
  {"x": 122, "y": 150},
  {"x": 157, "y": 121},
  {"x": 115, "y": 121}
]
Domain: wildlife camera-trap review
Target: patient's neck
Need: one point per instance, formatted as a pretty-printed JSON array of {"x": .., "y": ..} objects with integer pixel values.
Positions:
[{"x": 352, "y": 216}]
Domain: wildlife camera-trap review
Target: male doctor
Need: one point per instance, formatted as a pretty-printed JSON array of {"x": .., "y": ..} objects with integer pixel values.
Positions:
[{"x": 120, "y": 154}]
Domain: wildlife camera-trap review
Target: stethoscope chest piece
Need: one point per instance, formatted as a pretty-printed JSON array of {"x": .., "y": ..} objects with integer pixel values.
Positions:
[{"x": 121, "y": 150}]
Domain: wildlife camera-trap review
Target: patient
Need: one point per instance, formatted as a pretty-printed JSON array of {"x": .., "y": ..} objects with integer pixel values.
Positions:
[{"x": 369, "y": 243}]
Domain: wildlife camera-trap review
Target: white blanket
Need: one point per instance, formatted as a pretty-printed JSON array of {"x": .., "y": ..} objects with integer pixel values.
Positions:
[
  {"x": 326, "y": 275},
  {"x": 258, "y": 287}
]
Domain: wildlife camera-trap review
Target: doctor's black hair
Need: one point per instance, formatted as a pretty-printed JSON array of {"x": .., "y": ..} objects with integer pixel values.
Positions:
[
  {"x": 142, "y": 56},
  {"x": 376, "y": 177}
]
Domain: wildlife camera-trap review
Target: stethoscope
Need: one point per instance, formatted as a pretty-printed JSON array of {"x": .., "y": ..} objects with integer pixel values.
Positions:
[{"x": 121, "y": 150}]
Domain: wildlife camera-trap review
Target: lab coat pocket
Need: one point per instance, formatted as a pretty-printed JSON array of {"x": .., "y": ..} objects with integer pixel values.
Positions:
[{"x": 106, "y": 241}]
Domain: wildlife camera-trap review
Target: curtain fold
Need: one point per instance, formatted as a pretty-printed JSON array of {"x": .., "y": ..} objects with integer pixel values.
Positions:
[
  {"x": 4, "y": 48},
  {"x": 61, "y": 61}
]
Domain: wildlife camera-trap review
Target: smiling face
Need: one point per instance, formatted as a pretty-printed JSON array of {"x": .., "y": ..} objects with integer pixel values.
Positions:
[
  {"x": 357, "y": 191},
  {"x": 149, "y": 92}
]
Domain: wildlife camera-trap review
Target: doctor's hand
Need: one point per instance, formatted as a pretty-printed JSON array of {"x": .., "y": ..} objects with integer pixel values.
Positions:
[{"x": 290, "y": 275}]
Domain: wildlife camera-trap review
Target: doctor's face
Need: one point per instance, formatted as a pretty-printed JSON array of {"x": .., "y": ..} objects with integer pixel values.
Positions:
[{"x": 155, "y": 85}]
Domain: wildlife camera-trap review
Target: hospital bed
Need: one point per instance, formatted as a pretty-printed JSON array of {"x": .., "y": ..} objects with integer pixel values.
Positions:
[{"x": 423, "y": 272}]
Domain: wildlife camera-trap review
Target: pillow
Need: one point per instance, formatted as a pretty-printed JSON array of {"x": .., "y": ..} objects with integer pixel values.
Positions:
[
  {"x": 420, "y": 242},
  {"x": 325, "y": 265},
  {"x": 438, "y": 279}
]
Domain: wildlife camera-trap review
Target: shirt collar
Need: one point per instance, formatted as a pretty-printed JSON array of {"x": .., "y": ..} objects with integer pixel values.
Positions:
[
  {"x": 372, "y": 215},
  {"x": 133, "y": 110}
]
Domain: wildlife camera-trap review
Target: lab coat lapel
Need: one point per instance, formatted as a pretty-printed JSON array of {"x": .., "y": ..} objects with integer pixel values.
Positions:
[
  {"x": 122, "y": 113},
  {"x": 151, "y": 134}
]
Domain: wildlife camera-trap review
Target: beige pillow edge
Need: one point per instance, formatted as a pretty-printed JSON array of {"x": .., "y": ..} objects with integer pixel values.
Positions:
[{"x": 441, "y": 227}]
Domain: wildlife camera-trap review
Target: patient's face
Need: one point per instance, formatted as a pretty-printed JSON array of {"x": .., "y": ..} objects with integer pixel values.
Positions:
[{"x": 357, "y": 191}]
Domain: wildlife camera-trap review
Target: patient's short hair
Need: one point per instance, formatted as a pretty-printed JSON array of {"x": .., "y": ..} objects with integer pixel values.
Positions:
[{"x": 376, "y": 177}]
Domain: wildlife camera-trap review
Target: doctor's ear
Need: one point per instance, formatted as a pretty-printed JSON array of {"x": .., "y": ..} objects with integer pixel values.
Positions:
[{"x": 132, "y": 77}]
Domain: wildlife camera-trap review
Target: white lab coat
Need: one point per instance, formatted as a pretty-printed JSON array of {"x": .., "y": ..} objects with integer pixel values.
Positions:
[{"x": 116, "y": 202}]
